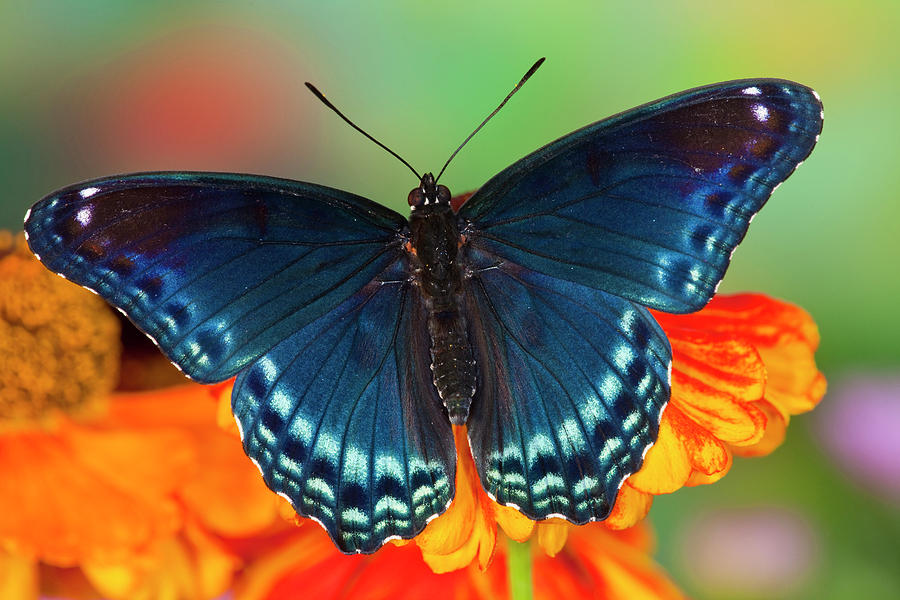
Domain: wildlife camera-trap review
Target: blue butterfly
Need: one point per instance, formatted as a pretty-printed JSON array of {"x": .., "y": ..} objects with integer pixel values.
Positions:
[{"x": 359, "y": 336}]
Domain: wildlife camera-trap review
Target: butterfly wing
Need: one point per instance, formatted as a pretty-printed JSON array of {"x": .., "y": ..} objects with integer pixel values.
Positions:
[
  {"x": 215, "y": 268},
  {"x": 650, "y": 204},
  {"x": 342, "y": 418},
  {"x": 571, "y": 385}
]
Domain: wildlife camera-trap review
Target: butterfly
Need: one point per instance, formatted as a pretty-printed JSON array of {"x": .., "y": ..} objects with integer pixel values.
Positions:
[{"x": 359, "y": 337}]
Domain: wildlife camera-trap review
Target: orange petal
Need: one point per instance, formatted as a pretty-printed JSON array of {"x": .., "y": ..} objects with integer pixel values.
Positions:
[
  {"x": 220, "y": 465},
  {"x": 599, "y": 564},
  {"x": 190, "y": 566},
  {"x": 786, "y": 338},
  {"x": 18, "y": 577},
  {"x": 776, "y": 429},
  {"x": 682, "y": 447},
  {"x": 222, "y": 470},
  {"x": 614, "y": 565},
  {"x": 631, "y": 507},
  {"x": 179, "y": 407},
  {"x": 305, "y": 551},
  {"x": 667, "y": 464},
  {"x": 552, "y": 535},
  {"x": 514, "y": 524},
  {"x": 467, "y": 530},
  {"x": 715, "y": 380},
  {"x": 90, "y": 493},
  {"x": 701, "y": 478}
]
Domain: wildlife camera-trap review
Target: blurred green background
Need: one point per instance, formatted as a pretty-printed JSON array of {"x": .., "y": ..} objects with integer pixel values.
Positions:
[{"x": 100, "y": 87}]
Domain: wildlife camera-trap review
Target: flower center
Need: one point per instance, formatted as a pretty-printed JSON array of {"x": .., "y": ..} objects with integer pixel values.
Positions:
[{"x": 59, "y": 344}]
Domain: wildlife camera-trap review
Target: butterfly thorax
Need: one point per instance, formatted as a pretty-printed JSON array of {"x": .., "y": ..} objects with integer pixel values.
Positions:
[{"x": 434, "y": 244}]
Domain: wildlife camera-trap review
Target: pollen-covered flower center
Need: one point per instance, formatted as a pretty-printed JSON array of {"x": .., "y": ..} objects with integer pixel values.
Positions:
[{"x": 59, "y": 345}]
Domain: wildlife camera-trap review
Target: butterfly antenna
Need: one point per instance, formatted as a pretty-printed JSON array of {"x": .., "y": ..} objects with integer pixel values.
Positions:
[
  {"x": 522, "y": 81},
  {"x": 325, "y": 101}
]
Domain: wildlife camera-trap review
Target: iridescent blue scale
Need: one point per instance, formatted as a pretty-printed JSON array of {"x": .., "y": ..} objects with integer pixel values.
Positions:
[{"x": 316, "y": 300}]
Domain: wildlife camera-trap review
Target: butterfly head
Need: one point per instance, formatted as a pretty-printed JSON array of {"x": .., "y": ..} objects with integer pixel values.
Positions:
[{"x": 428, "y": 192}]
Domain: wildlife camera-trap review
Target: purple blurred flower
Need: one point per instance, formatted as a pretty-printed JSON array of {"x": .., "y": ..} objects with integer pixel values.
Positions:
[
  {"x": 859, "y": 424},
  {"x": 751, "y": 552}
]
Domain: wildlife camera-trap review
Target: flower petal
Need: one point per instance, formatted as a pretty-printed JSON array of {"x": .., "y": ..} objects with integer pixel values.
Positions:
[
  {"x": 786, "y": 338},
  {"x": 715, "y": 380},
  {"x": 18, "y": 577},
  {"x": 617, "y": 563},
  {"x": 88, "y": 493},
  {"x": 681, "y": 448},
  {"x": 193, "y": 566},
  {"x": 776, "y": 430},
  {"x": 468, "y": 528},
  {"x": 597, "y": 563},
  {"x": 631, "y": 506},
  {"x": 552, "y": 535},
  {"x": 220, "y": 465}
]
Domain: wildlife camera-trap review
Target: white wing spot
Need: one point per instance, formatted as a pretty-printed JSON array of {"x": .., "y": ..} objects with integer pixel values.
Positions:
[
  {"x": 752, "y": 91},
  {"x": 88, "y": 192},
  {"x": 761, "y": 112},
  {"x": 84, "y": 215}
]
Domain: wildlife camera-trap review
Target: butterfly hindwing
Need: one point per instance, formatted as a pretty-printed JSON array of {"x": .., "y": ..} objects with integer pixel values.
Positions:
[
  {"x": 215, "y": 268},
  {"x": 571, "y": 385},
  {"x": 342, "y": 418},
  {"x": 650, "y": 204}
]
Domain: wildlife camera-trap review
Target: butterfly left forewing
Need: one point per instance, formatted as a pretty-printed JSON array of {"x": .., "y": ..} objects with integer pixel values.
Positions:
[
  {"x": 215, "y": 268},
  {"x": 572, "y": 382},
  {"x": 343, "y": 420},
  {"x": 651, "y": 203}
]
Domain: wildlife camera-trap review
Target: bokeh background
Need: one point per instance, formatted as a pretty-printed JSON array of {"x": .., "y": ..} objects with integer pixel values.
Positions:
[{"x": 100, "y": 87}]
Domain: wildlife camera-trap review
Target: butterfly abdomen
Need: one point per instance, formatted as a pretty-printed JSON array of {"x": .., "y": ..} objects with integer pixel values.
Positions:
[{"x": 452, "y": 363}]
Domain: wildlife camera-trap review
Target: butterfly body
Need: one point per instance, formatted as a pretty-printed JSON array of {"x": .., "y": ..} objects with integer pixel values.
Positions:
[
  {"x": 439, "y": 275},
  {"x": 357, "y": 336}
]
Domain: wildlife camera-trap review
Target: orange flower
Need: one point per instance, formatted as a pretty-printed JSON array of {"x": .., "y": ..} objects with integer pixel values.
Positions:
[
  {"x": 138, "y": 490},
  {"x": 741, "y": 367},
  {"x": 596, "y": 563},
  {"x": 133, "y": 489}
]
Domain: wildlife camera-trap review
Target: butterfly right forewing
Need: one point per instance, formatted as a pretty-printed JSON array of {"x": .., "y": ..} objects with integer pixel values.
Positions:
[{"x": 651, "y": 203}]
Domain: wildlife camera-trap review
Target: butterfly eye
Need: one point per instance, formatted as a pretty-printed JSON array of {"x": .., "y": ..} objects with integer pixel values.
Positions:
[
  {"x": 443, "y": 194},
  {"x": 416, "y": 197}
]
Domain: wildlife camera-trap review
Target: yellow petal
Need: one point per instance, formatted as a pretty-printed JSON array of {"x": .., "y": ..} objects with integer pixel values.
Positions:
[
  {"x": 631, "y": 507},
  {"x": 552, "y": 535},
  {"x": 192, "y": 566},
  {"x": 514, "y": 524},
  {"x": 776, "y": 429},
  {"x": 667, "y": 465},
  {"x": 18, "y": 577}
]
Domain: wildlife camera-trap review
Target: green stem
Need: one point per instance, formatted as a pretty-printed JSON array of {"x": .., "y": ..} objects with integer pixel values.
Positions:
[{"x": 519, "y": 563}]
